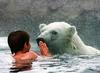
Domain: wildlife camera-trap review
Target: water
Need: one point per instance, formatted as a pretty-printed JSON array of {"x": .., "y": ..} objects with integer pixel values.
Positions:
[
  {"x": 58, "y": 64},
  {"x": 28, "y": 14}
]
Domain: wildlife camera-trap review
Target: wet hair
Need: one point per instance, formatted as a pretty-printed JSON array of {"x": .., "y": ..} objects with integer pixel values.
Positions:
[{"x": 17, "y": 39}]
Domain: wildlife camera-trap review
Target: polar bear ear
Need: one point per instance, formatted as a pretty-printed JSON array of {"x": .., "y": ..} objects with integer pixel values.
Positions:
[
  {"x": 41, "y": 26},
  {"x": 72, "y": 29}
]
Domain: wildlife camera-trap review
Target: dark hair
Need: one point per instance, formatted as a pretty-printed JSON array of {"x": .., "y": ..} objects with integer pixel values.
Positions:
[{"x": 17, "y": 39}]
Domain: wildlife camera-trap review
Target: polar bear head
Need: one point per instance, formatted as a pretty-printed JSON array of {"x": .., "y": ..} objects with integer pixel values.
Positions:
[{"x": 57, "y": 36}]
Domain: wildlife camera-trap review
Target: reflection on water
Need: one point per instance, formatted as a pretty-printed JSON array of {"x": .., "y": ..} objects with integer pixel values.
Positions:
[
  {"x": 68, "y": 64},
  {"x": 20, "y": 69},
  {"x": 20, "y": 66}
]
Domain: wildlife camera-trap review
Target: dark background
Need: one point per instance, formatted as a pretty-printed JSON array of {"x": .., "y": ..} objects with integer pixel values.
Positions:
[{"x": 28, "y": 14}]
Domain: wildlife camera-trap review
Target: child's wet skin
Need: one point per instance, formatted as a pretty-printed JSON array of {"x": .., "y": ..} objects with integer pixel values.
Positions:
[{"x": 43, "y": 49}]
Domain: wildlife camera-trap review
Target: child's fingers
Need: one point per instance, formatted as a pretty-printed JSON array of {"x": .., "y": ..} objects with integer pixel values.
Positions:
[
  {"x": 43, "y": 48},
  {"x": 40, "y": 43}
]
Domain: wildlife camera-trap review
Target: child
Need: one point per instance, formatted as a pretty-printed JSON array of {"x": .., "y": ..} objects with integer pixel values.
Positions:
[{"x": 19, "y": 44}]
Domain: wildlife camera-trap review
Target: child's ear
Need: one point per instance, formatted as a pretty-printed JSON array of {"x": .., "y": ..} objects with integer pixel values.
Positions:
[{"x": 25, "y": 45}]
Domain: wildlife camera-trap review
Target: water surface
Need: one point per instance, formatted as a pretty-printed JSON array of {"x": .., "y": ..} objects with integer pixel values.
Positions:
[{"x": 58, "y": 64}]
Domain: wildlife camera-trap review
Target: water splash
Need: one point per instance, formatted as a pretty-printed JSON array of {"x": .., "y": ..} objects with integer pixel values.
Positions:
[{"x": 3, "y": 43}]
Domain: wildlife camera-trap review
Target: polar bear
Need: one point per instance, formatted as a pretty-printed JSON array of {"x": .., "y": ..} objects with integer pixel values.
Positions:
[{"x": 61, "y": 38}]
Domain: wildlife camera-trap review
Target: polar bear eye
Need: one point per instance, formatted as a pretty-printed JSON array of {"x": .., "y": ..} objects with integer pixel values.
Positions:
[{"x": 54, "y": 32}]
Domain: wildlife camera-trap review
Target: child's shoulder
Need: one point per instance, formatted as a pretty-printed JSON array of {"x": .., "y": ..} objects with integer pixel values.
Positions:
[
  {"x": 25, "y": 56},
  {"x": 30, "y": 55}
]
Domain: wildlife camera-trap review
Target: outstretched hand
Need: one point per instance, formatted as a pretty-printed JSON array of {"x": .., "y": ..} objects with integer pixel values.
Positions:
[{"x": 43, "y": 48}]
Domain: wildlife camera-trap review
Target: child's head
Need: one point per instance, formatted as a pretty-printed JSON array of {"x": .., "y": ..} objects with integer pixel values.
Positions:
[{"x": 17, "y": 40}]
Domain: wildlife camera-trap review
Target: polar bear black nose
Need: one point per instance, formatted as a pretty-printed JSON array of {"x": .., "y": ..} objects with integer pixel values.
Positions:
[{"x": 39, "y": 39}]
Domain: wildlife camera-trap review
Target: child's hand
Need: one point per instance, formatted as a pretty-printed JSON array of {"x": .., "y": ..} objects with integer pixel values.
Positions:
[{"x": 43, "y": 48}]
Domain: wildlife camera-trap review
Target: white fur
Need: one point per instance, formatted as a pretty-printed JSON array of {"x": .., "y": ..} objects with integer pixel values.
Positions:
[{"x": 75, "y": 46}]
